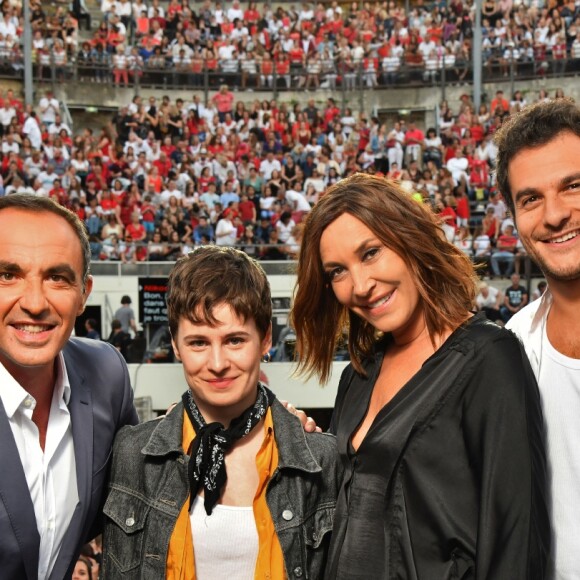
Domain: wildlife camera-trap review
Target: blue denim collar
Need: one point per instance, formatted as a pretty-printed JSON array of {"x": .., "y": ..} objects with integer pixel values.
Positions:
[{"x": 292, "y": 441}]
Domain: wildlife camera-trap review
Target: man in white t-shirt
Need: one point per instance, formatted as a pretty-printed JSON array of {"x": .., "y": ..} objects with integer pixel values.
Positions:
[
  {"x": 7, "y": 26},
  {"x": 499, "y": 207},
  {"x": 538, "y": 172},
  {"x": 316, "y": 181},
  {"x": 297, "y": 201},
  {"x": 7, "y": 113},
  {"x": 235, "y": 11},
  {"x": 49, "y": 107},
  {"x": 268, "y": 165},
  {"x": 226, "y": 51},
  {"x": 9, "y": 145},
  {"x": 489, "y": 299},
  {"x": 171, "y": 191},
  {"x": 58, "y": 126},
  {"x": 458, "y": 167},
  {"x": 32, "y": 131},
  {"x": 226, "y": 232},
  {"x": 284, "y": 226}
]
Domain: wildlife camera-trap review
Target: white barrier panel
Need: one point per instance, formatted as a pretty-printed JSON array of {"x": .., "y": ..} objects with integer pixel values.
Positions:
[{"x": 165, "y": 384}]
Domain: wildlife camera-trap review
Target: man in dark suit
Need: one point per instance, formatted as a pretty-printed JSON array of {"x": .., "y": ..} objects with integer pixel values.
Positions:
[{"x": 61, "y": 400}]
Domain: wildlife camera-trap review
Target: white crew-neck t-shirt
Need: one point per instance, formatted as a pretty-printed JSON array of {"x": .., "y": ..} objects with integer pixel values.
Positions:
[{"x": 559, "y": 381}]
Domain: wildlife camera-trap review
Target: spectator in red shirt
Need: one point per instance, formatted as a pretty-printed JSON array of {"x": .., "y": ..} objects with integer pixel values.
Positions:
[
  {"x": 499, "y": 100},
  {"x": 507, "y": 244},
  {"x": 251, "y": 15},
  {"x": 331, "y": 112},
  {"x": 247, "y": 210},
  {"x": 136, "y": 229},
  {"x": 448, "y": 216},
  {"x": 163, "y": 164},
  {"x": 462, "y": 210},
  {"x": 224, "y": 102},
  {"x": 414, "y": 140},
  {"x": 97, "y": 175},
  {"x": 479, "y": 176},
  {"x": 58, "y": 193}
]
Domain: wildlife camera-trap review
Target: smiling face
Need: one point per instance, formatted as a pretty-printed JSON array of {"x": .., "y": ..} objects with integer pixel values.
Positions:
[
  {"x": 221, "y": 363},
  {"x": 41, "y": 291},
  {"x": 370, "y": 279},
  {"x": 545, "y": 185}
]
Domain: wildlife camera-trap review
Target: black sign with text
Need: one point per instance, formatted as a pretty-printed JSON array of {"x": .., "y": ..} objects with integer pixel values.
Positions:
[{"x": 152, "y": 305}]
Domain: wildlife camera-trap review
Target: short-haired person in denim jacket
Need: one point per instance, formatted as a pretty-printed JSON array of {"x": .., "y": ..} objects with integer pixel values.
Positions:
[{"x": 172, "y": 512}]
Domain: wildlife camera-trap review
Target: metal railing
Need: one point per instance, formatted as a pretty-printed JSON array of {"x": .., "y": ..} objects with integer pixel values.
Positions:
[
  {"x": 336, "y": 75},
  {"x": 146, "y": 265},
  {"x": 131, "y": 257}
]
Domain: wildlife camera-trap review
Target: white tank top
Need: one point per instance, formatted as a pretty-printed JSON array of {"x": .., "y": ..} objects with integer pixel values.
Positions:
[{"x": 225, "y": 543}]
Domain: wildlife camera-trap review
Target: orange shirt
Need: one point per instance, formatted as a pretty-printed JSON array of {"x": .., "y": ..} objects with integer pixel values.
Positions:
[
  {"x": 266, "y": 66},
  {"x": 270, "y": 563},
  {"x": 142, "y": 26},
  {"x": 282, "y": 67}
]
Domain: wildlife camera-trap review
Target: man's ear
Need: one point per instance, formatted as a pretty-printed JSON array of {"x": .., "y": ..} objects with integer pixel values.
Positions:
[{"x": 88, "y": 287}]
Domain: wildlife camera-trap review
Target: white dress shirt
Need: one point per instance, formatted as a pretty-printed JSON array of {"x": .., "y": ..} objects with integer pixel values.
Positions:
[{"x": 50, "y": 474}]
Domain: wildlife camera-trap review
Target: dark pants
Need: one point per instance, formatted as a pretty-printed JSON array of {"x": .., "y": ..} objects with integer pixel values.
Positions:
[
  {"x": 83, "y": 16},
  {"x": 492, "y": 314}
]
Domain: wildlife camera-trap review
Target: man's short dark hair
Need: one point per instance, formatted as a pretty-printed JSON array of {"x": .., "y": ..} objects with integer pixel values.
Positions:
[
  {"x": 126, "y": 299},
  {"x": 33, "y": 203},
  {"x": 534, "y": 126}
]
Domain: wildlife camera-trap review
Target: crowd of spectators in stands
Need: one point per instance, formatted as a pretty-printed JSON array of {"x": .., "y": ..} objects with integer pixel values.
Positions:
[
  {"x": 164, "y": 176},
  {"x": 309, "y": 45}
]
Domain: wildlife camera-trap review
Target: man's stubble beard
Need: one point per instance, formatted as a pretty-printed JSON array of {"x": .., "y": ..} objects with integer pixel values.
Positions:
[{"x": 570, "y": 274}]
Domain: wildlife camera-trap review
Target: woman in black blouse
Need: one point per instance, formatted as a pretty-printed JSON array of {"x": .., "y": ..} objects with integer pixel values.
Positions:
[
  {"x": 289, "y": 175},
  {"x": 437, "y": 417}
]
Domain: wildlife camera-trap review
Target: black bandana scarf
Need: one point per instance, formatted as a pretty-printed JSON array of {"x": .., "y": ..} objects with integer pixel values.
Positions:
[{"x": 207, "y": 466}]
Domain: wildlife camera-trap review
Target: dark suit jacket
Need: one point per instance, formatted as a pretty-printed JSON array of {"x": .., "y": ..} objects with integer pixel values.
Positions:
[{"x": 101, "y": 402}]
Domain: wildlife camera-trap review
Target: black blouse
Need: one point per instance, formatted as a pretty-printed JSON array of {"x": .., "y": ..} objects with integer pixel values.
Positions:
[{"x": 449, "y": 481}]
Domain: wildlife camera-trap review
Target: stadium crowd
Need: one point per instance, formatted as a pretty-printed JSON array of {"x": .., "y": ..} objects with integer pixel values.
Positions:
[
  {"x": 166, "y": 175},
  {"x": 365, "y": 44}
]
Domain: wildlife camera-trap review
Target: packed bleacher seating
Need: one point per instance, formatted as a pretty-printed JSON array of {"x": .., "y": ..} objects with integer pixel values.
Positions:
[
  {"x": 166, "y": 175},
  {"x": 324, "y": 45}
]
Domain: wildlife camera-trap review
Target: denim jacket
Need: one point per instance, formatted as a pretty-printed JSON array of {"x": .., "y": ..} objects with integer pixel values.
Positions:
[{"x": 148, "y": 486}]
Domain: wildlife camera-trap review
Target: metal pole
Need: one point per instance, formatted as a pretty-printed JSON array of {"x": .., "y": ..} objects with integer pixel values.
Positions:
[
  {"x": 512, "y": 73},
  {"x": 52, "y": 73},
  {"x": 443, "y": 75},
  {"x": 27, "y": 40},
  {"x": 136, "y": 80},
  {"x": 361, "y": 80},
  {"x": 476, "y": 54},
  {"x": 343, "y": 88},
  {"x": 132, "y": 25},
  {"x": 205, "y": 83}
]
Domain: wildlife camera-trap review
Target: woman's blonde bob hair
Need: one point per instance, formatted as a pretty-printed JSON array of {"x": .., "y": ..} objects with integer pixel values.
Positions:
[{"x": 445, "y": 277}]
